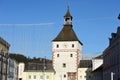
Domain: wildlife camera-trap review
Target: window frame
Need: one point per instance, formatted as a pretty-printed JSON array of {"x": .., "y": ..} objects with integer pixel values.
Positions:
[
  {"x": 58, "y": 55},
  {"x": 73, "y": 45},
  {"x": 71, "y": 55},
  {"x": 57, "y": 46},
  {"x": 64, "y": 65}
]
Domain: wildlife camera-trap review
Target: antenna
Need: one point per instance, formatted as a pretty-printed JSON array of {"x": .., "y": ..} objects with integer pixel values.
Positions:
[{"x": 68, "y": 4}]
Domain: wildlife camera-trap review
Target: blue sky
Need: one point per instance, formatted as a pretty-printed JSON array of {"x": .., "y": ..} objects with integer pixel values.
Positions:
[{"x": 93, "y": 23}]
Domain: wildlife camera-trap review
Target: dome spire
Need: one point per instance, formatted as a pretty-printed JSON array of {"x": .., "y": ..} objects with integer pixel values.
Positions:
[
  {"x": 68, "y": 12},
  {"x": 68, "y": 6},
  {"x": 68, "y": 17}
]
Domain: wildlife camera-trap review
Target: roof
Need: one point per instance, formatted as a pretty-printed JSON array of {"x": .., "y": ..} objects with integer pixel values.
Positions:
[
  {"x": 98, "y": 57},
  {"x": 67, "y": 34},
  {"x": 115, "y": 37},
  {"x": 85, "y": 64},
  {"x": 2, "y": 41},
  {"x": 98, "y": 69},
  {"x": 39, "y": 66}
]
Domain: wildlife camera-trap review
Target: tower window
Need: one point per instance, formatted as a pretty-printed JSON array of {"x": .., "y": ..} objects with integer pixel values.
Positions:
[
  {"x": 71, "y": 55},
  {"x": 72, "y": 45},
  {"x": 67, "y": 20},
  {"x": 57, "y": 46},
  {"x": 64, "y": 65},
  {"x": 64, "y": 75},
  {"x": 58, "y": 55}
]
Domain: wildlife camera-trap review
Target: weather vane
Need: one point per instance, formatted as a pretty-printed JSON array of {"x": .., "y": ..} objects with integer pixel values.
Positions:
[{"x": 68, "y": 5}]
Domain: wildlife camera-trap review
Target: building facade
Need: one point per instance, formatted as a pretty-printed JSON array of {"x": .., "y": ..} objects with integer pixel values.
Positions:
[
  {"x": 97, "y": 68},
  {"x": 66, "y": 52},
  {"x": 12, "y": 69},
  {"x": 84, "y": 70},
  {"x": 4, "y": 52},
  {"x": 111, "y": 58},
  {"x": 36, "y": 70},
  {"x": 15, "y": 70},
  {"x": 21, "y": 67},
  {"x": 97, "y": 74},
  {"x": 97, "y": 62}
]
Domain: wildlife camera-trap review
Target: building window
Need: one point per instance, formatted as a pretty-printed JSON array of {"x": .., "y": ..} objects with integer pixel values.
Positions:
[
  {"x": 41, "y": 77},
  {"x": 64, "y": 65},
  {"x": 89, "y": 76},
  {"x": 20, "y": 78},
  {"x": 80, "y": 77},
  {"x": 64, "y": 75},
  {"x": 58, "y": 55},
  {"x": 71, "y": 55},
  {"x": 47, "y": 77},
  {"x": 34, "y": 76},
  {"x": 29, "y": 76},
  {"x": 72, "y": 45},
  {"x": 57, "y": 46}
]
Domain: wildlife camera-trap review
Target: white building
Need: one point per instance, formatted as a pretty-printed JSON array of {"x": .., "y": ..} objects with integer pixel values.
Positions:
[
  {"x": 21, "y": 67},
  {"x": 97, "y": 68},
  {"x": 66, "y": 52},
  {"x": 84, "y": 70},
  {"x": 97, "y": 62}
]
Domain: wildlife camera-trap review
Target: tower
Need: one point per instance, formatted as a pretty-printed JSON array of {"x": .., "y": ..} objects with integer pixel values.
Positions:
[{"x": 66, "y": 52}]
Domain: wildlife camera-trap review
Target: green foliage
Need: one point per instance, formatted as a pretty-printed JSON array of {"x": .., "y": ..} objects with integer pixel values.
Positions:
[
  {"x": 22, "y": 58},
  {"x": 18, "y": 57}
]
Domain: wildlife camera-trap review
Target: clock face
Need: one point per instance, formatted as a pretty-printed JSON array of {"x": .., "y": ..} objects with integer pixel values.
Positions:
[{"x": 65, "y": 45}]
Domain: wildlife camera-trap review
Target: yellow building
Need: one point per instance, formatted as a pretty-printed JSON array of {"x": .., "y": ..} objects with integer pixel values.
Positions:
[
  {"x": 38, "y": 75},
  {"x": 38, "y": 70},
  {"x": 84, "y": 70}
]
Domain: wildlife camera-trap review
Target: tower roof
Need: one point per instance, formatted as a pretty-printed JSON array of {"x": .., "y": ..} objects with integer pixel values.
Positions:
[
  {"x": 68, "y": 13},
  {"x": 67, "y": 34}
]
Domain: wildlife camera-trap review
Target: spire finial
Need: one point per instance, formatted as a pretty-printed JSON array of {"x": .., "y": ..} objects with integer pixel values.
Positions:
[{"x": 68, "y": 6}]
